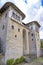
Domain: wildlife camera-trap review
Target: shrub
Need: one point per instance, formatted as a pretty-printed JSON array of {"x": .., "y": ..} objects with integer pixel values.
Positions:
[
  {"x": 19, "y": 60},
  {"x": 10, "y": 61},
  {"x": 22, "y": 59}
]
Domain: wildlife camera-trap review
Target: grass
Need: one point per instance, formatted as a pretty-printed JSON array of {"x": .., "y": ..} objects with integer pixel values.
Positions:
[{"x": 40, "y": 60}]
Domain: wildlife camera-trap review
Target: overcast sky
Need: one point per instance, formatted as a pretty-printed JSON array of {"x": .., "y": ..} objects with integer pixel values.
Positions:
[{"x": 33, "y": 9}]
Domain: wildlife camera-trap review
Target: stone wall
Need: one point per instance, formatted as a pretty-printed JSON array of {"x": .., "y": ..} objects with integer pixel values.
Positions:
[
  {"x": 3, "y": 29},
  {"x": 38, "y": 44},
  {"x": 14, "y": 42}
]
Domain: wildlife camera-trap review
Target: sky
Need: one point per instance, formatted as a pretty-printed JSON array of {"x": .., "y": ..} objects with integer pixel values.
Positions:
[{"x": 33, "y": 9}]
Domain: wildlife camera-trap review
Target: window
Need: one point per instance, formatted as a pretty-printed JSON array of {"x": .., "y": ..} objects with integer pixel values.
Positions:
[
  {"x": 18, "y": 18},
  {"x": 18, "y": 29},
  {"x": 14, "y": 15},
  {"x": 12, "y": 27},
  {"x": 15, "y": 35},
  {"x": 3, "y": 27},
  {"x": 31, "y": 28},
  {"x": 6, "y": 15},
  {"x": 32, "y": 34},
  {"x": 32, "y": 39}
]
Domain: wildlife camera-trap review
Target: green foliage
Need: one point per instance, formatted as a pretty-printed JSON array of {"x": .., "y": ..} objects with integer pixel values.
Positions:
[
  {"x": 22, "y": 59},
  {"x": 19, "y": 60},
  {"x": 41, "y": 43},
  {"x": 10, "y": 61}
]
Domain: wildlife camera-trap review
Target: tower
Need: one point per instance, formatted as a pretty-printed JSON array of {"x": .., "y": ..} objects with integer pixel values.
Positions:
[
  {"x": 34, "y": 38},
  {"x": 11, "y": 31}
]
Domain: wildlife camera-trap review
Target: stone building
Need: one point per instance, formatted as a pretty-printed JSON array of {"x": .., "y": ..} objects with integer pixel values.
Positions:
[{"x": 16, "y": 38}]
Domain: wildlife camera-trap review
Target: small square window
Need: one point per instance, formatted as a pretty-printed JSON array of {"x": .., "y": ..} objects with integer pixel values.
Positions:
[
  {"x": 12, "y": 27},
  {"x": 18, "y": 29}
]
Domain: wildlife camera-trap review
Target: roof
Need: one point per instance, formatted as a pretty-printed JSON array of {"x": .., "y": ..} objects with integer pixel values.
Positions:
[
  {"x": 7, "y": 4},
  {"x": 34, "y": 22}
]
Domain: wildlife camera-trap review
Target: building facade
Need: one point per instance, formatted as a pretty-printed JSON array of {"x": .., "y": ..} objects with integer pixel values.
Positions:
[{"x": 16, "y": 38}]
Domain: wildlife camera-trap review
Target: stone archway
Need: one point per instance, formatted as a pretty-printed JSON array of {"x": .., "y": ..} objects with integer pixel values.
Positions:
[{"x": 24, "y": 42}]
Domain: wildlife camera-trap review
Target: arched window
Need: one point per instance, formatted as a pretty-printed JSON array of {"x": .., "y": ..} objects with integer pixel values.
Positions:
[{"x": 12, "y": 26}]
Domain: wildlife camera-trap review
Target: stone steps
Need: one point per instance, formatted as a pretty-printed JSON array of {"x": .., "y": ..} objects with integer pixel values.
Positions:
[{"x": 29, "y": 59}]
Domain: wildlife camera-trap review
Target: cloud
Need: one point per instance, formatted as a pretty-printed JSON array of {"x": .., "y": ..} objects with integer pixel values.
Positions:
[
  {"x": 39, "y": 18},
  {"x": 2, "y": 2},
  {"x": 25, "y": 1},
  {"x": 41, "y": 34},
  {"x": 32, "y": 9}
]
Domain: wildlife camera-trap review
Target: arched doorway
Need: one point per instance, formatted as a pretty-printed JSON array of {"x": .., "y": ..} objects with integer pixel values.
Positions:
[{"x": 24, "y": 42}]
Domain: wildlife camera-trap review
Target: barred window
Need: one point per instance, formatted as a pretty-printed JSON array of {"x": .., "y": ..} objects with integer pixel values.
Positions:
[{"x": 14, "y": 15}]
